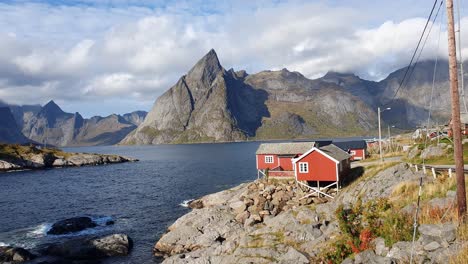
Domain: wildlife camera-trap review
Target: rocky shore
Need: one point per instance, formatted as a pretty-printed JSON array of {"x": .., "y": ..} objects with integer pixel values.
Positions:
[
  {"x": 78, "y": 250},
  {"x": 269, "y": 222},
  {"x": 16, "y": 157}
]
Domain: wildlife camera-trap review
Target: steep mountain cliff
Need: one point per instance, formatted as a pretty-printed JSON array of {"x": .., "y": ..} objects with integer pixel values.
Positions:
[
  {"x": 212, "y": 104},
  {"x": 9, "y": 130},
  {"x": 194, "y": 109}
]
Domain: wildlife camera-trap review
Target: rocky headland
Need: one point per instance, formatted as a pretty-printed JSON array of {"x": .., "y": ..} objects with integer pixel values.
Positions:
[
  {"x": 17, "y": 157},
  {"x": 269, "y": 222}
]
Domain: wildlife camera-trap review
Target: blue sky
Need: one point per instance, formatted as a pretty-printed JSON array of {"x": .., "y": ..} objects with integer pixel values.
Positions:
[{"x": 116, "y": 56}]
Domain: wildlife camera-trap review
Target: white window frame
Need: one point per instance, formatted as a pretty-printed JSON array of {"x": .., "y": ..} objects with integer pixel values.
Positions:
[
  {"x": 352, "y": 152},
  {"x": 269, "y": 159},
  {"x": 304, "y": 169}
]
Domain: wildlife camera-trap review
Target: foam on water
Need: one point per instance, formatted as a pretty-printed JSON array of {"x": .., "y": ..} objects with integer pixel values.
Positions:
[
  {"x": 102, "y": 220},
  {"x": 185, "y": 203},
  {"x": 39, "y": 231},
  {"x": 3, "y": 244}
]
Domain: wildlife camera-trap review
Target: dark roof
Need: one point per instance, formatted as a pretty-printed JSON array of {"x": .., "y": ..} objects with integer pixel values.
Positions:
[
  {"x": 292, "y": 148},
  {"x": 355, "y": 144},
  {"x": 322, "y": 143},
  {"x": 335, "y": 152}
]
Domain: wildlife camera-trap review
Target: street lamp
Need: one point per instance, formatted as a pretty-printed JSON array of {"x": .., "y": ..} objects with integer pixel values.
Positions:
[
  {"x": 380, "y": 130},
  {"x": 389, "y": 126}
]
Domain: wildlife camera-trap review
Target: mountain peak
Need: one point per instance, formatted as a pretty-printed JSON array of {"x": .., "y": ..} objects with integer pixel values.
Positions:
[
  {"x": 335, "y": 74},
  {"x": 206, "y": 68},
  {"x": 51, "y": 106},
  {"x": 51, "y": 111}
]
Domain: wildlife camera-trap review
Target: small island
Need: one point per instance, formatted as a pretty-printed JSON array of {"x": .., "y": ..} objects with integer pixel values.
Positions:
[{"x": 20, "y": 157}]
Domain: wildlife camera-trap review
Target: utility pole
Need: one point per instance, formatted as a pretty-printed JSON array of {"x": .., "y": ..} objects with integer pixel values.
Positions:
[
  {"x": 380, "y": 135},
  {"x": 380, "y": 131},
  {"x": 456, "y": 126}
]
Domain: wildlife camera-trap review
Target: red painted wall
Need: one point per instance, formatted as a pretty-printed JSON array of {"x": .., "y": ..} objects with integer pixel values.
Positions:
[
  {"x": 360, "y": 154},
  {"x": 321, "y": 168},
  {"x": 286, "y": 163},
  {"x": 261, "y": 165}
]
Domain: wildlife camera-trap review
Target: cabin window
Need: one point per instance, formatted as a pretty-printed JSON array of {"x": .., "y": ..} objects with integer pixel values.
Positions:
[
  {"x": 341, "y": 166},
  {"x": 303, "y": 167},
  {"x": 352, "y": 152},
  {"x": 268, "y": 159}
]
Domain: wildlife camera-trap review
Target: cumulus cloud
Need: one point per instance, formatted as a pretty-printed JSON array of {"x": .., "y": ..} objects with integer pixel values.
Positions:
[{"x": 89, "y": 51}]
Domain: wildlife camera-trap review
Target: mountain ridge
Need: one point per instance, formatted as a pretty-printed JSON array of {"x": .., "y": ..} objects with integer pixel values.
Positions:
[{"x": 50, "y": 125}]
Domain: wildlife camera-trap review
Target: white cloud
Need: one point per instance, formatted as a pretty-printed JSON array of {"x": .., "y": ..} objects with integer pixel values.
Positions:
[{"x": 90, "y": 51}]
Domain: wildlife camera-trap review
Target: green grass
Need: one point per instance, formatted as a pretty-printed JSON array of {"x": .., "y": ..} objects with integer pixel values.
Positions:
[
  {"x": 12, "y": 152},
  {"x": 446, "y": 159}
]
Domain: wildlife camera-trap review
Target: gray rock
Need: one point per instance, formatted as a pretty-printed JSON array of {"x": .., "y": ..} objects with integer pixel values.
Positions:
[
  {"x": 4, "y": 165},
  {"x": 438, "y": 232},
  {"x": 432, "y": 246},
  {"x": 432, "y": 152},
  {"x": 369, "y": 257},
  {"x": 14, "y": 255},
  {"x": 82, "y": 248},
  {"x": 238, "y": 207},
  {"x": 242, "y": 217},
  {"x": 441, "y": 203},
  {"x": 293, "y": 256},
  {"x": 200, "y": 228},
  {"x": 60, "y": 163},
  {"x": 113, "y": 245},
  {"x": 381, "y": 185},
  {"x": 380, "y": 248},
  {"x": 413, "y": 153}
]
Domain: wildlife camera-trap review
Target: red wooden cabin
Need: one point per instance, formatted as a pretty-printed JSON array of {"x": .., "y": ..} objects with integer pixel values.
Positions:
[
  {"x": 277, "y": 157},
  {"x": 326, "y": 164},
  {"x": 356, "y": 148}
]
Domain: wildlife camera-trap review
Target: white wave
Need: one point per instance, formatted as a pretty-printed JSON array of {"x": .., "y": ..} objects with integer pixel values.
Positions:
[
  {"x": 102, "y": 220},
  {"x": 186, "y": 203},
  {"x": 3, "y": 244},
  {"x": 39, "y": 231}
]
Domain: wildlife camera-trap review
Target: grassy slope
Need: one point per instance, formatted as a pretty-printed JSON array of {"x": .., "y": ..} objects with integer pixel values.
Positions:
[
  {"x": 12, "y": 152},
  {"x": 323, "y": 127}
]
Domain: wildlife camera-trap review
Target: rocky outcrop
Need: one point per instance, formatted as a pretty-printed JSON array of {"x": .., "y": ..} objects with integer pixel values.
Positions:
[
  {"x": 15, "y": 255},
  {"x": 256, "y": 222},
  {"x": 381, "y": 185},
  {"x": 71, "y": 225},
  {"x": 263, "y": 222},
  {"x": 15, "y": 157},
  {"x": 91, "y": 248},
  {"x": 435, "y": 245}
]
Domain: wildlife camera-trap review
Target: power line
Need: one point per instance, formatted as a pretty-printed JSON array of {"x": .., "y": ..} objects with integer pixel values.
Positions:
[
  {"x": 424, "y": 44},
  {"x": 415, "y": 52}
]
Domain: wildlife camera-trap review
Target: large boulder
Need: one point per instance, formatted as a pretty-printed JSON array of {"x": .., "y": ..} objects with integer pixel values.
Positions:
[
  {"x": 113, "y": 245},
  {"x": 14, "y": 255},
  {"x": 108, "y": 246},
  {"x": 441, "y": 233},
  {"x": 5, "y": 165},
  {"x": 71, "y": 225},
  {"x": 433, "y": 152},
  {"x": 200, "y": 228}
]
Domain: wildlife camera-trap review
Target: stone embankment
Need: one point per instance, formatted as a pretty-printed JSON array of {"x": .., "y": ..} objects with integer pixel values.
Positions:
[{"x": 269, "y": 222}]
